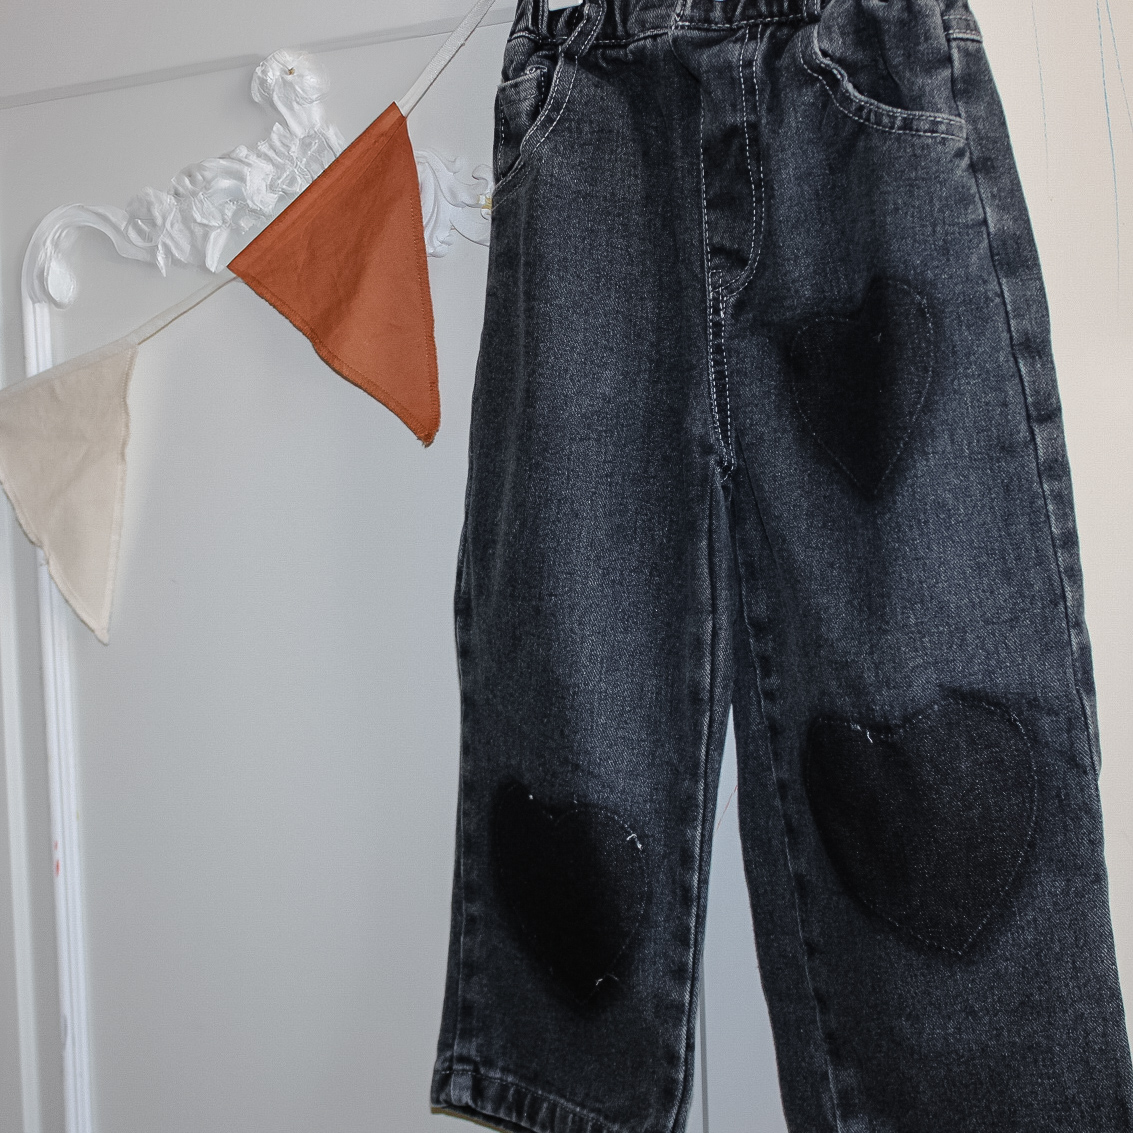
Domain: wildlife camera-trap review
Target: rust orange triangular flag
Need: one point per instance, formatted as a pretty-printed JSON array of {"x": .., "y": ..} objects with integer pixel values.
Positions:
[{"x": 345, "y": 262}]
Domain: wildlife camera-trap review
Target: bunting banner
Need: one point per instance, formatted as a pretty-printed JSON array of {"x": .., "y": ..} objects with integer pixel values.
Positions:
[
  {"x": 345, "y": 263},
  {"x": 63, "y": 440}
]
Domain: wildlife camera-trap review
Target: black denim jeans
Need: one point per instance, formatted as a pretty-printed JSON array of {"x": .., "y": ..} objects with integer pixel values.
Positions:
[{"x": 766, "y": 420}]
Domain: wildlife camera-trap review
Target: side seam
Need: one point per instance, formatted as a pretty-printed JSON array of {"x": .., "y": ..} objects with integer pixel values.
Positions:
[{"x": 1031, "y": 351}]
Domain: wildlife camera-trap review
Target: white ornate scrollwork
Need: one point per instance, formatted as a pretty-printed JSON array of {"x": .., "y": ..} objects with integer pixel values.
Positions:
[
  {"x": 211, "y": 206},
  {"x": 450, "y": 203}
]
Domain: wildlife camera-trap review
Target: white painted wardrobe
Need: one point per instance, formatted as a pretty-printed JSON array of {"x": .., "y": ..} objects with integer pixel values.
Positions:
[{"x": 266, "y": 753}]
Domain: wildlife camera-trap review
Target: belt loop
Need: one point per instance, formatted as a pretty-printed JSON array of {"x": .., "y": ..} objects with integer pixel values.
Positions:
[
  {"x": 593, "y": 16},
  {"x": 540, "y": 17}
]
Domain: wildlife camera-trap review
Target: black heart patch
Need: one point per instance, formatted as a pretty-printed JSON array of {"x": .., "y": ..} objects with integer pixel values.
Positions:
[
  {"x": 575, "y": 883},
  {"x": 928, "y": 823},
  {"x": 861, "y": 379}
]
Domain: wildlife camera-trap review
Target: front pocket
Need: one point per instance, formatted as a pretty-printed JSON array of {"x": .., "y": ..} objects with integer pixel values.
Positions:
[
  {"x": 886, "y": 64},
  {"x": 518, "y": 103}
]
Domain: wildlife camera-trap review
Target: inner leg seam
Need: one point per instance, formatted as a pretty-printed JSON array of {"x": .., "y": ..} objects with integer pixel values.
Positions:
[
  {"x": 696, "y": 952},
  {"x": 753, "y": 657}
]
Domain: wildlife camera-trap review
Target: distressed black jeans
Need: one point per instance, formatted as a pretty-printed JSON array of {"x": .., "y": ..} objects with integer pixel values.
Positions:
[{"x": 765, "y": 420}]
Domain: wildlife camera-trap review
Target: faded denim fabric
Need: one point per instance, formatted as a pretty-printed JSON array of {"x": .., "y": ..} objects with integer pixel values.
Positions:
[{"x": 766, "y": 419}]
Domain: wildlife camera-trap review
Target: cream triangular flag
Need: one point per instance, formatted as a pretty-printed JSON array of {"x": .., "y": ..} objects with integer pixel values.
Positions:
[
  {"x": 63, "y": 464},
  {"x": 63, "y": 437}
]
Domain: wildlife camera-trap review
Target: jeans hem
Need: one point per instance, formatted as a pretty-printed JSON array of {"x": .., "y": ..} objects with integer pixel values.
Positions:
[{"x": 500, "y": 1101}]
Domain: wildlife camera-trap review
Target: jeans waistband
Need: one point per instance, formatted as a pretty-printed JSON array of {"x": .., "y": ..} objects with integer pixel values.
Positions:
[{"x": 633, "y": 19}]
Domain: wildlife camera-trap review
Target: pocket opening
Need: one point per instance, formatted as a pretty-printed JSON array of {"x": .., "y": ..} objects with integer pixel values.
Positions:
[
  {"x": 870, "y": 111},
  {"x": 519, "y": 102}
]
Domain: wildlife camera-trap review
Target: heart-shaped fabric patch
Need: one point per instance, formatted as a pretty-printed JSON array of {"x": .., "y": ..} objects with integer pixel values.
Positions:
[
  {"x": 861, "y": 379},
  {"x": 926, "y": 824},
  {"x": 575, "y": 884}
]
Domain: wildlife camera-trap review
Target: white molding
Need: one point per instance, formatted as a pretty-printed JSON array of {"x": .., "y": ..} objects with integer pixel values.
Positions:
[
  {"x": 212, "y": 205},
  {"x": 63, "y": 778},
  {"x": 62, "y": 763},
  {"x": 208, "y": 205},
  {"x": 190, "y": 223},
  {"x": 19, "y": 856},
  {"x": 503, "y": 15}
]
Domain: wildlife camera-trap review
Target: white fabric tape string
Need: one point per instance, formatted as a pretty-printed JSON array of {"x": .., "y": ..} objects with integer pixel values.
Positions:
[
  {"x": 160, "y": 322},
  {"x": 443, "y": 57}
]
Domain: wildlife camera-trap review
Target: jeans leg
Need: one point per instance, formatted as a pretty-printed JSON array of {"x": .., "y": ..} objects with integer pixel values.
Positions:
[
  {"x": 915, "y": 709},
  {"x": 595, "y": 660}
]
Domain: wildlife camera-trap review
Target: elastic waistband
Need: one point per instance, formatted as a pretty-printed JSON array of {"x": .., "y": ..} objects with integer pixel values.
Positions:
[{"x": 634, "y": 19}]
